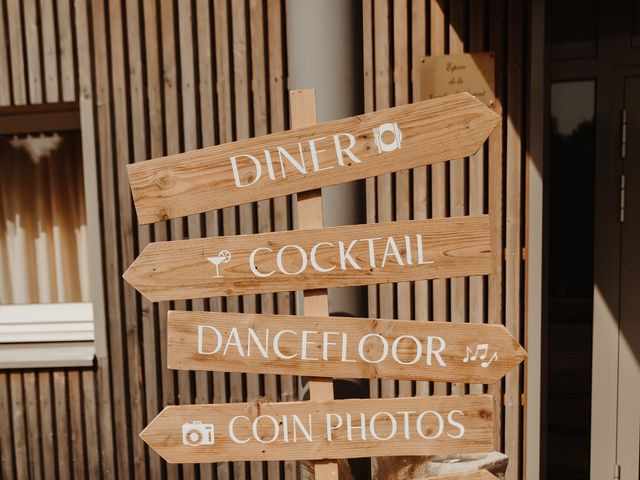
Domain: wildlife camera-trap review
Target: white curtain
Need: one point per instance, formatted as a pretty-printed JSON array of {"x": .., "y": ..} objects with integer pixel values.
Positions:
[{"x": 43, "y": 241}]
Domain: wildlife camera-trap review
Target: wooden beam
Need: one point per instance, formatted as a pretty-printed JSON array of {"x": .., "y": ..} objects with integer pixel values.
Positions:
[{"x": 310, "y": 215}]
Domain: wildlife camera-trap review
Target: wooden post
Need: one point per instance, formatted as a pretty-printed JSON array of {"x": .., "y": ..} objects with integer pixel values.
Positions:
[{"x": 316, "y": 302}]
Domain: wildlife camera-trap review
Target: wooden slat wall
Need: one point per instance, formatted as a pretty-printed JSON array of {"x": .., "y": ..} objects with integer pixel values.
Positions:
[
  {"x": 151, "y": 78},
  {"x": 460, "y": 187}
]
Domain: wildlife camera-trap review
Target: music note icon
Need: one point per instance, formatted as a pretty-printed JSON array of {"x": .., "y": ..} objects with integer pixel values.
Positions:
[
  {"x": 488, "y": 362},
  {"x": 480, "y": 353}
]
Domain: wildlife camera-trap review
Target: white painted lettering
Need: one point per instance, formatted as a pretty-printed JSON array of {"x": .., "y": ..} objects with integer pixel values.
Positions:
[
  {"x": 346, "y": 256},
  {"x": 363, "y": 341},
  {"x": 431, "y": 352},
  {"x": 330, "y": 426},
  {"x": 201, "y": 329},
  {"x": 418, "y": 349},
  {"x": 252, "y": 263},
  {"x": 232, "y": 433},
  {"x": 276, "y": 345},
  {"x": 453, "y": 423},
  {"x": 372, "y": 426},
  {"x": 340, "y": 150},
  {"x": 420, "y": 428},
  {"x": 236, "y": 172},
  {"x": 306, "y": 343},
  {"x": 391, "y": 249},
  {"x": 314, "y": 260}
]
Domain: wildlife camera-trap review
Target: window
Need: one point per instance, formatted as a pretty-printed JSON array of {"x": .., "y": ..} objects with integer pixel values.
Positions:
[{"x": 46, "y": 314}]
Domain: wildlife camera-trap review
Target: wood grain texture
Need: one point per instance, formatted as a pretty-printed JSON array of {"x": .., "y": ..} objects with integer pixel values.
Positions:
[
  {"x": 331, "y": 346},
  {"x": 180, "y": 269},
  {"x": 310, "y": 215},
  {"x": 164, "y": 433},
  {"x": 134, "y": 68},
  {"x": 203, "y": 180}
]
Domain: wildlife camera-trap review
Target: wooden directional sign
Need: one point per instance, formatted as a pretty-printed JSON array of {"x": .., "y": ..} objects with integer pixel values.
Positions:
[
  {"x": 341, "y": 347},
  {"x": 315, "y": 430},
  {"x": 302, "y": 159},
  {"x": 304, "y": 259}
]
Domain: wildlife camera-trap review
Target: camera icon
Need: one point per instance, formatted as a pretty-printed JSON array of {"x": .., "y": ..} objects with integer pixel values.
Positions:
[
  {"x": 197, "y": 433},
  {"x": 387, "y": 145}
]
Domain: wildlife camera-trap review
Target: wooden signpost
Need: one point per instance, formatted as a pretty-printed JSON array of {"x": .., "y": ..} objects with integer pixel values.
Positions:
[
  {"x": 341, "y": 347},
  {"x": 319, "y": 258},
  {"x": 310, "y": 157},
  {"x": 312, "y": 259},
  {"x": 315, "y": 430}
]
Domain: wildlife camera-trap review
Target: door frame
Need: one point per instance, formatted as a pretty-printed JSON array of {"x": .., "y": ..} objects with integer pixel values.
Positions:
[{"x": 616, "y": 62}]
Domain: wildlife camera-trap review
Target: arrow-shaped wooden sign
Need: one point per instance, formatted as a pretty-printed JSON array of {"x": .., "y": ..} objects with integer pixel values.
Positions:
[
  {"x": 341, "y": 347},
  {"x": 297, "y": 160},
  {"x": 315, "y": 430},
  {"x": 304, "y": 259}
]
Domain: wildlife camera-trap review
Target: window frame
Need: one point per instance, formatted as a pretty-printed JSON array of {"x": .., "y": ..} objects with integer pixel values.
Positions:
[{"x": 49, "y": 118}]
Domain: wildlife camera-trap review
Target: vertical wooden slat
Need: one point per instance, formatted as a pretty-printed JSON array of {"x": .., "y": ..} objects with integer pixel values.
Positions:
[
  {"x": 18, "y": 427},
  {"x": 7, "y": 463},
  {"x": 163, "y": 378},
  {"x": 76, "y": 438},
  {"x": 205, "y": 88},
  {"x": 383, "y": 91},
  {"x": 32, "y": 422},
  {"x": 316, "y": 302},
  {"x": 223, "y": 91},
  {"x": 259, "y": 82},
  {"x": 477, "y": 204},
  {"x": 5, "y": 82},
  {"x": 438, "y": 176},
  {"x": 282, "y": 205},
  {"x": 148, "y": 320},
  {"x": 402, "y": 179},
  {"x": 494, "y": 174},
  {"x": 172, "y": 137},
  {"x": 419, "y": 175},
  {"x": 67, "y": 69},
  {"x": 18, "y": 82},
  {"x": 370, "y": 183},
  {"x": 110, "y": 235},
  {"x": 513, "y": 227},
  {"x": 91, "y": 433},
  {"x": 46, "y": 426},
  {"x": 190, "y": 139},
  {"x": 240, "y": 76},
  {"x": 33, "y": 50},
  {"x": 50, "y": 50},
  {"x": 129, "y": 347},
  {"x": 89, "y": 152},
  {"x": 63, "y": 440},
  {"x": 457, "y": 173}
]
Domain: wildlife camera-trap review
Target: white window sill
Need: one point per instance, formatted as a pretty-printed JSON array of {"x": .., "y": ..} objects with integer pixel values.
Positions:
[{"x": 47, "y": 355}]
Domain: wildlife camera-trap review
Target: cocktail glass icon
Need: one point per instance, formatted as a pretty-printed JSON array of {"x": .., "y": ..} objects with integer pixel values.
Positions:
[{"x": 223, "y": 257}]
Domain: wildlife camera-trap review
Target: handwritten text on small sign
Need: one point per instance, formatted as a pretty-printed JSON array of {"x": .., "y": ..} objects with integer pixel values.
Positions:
[
  {"x": 340, "y": 347},
  {"x": 314, "y": 430},
  {"x": 304, "y": 259},
  {"x": 443, "y": 75},
  {"x": 307, "y": 158}
]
